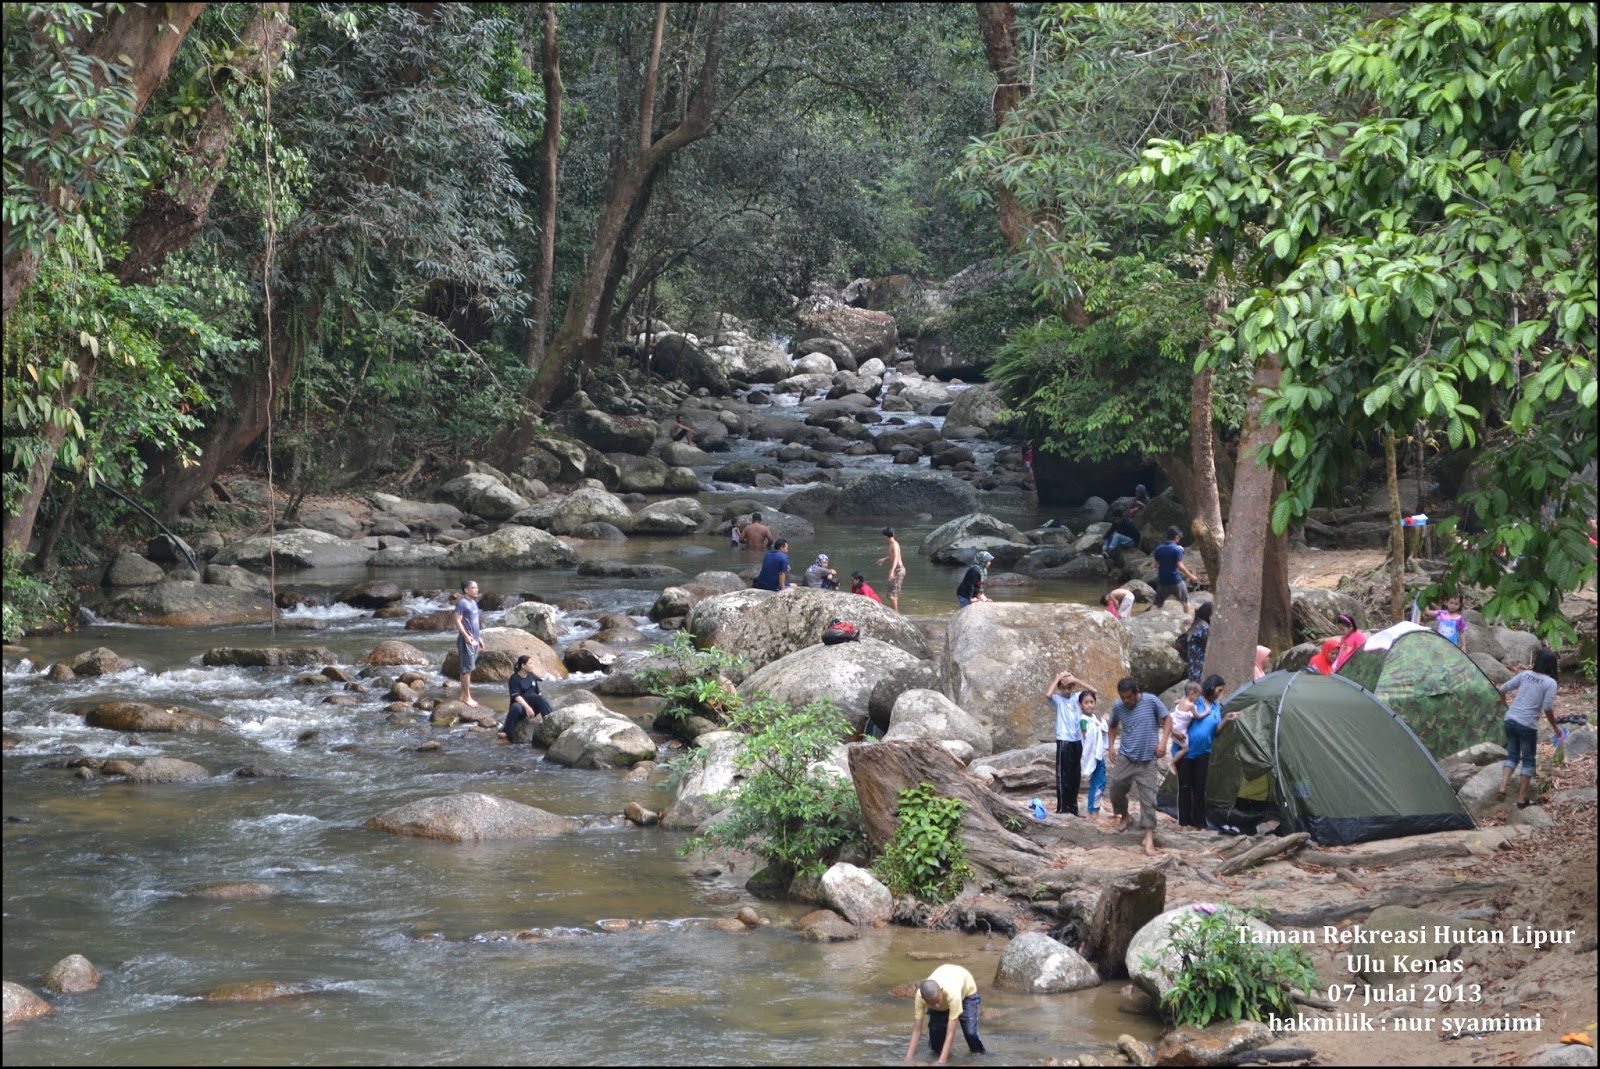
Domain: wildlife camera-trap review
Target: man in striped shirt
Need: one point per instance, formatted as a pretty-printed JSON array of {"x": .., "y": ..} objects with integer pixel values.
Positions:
[{"x": 1138, "y": 734}]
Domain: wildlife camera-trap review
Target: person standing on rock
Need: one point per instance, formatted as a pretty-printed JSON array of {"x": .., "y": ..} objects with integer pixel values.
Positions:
[
  {"x": 1171, "y": 571},
  {"x": 1536, "y": 693},
  {"x": 897, "y": 569},
  {"x": 1191, "y": 762},
  {"x": 1138, "y": 724},
  {"x": 1093, "y": 764},
  {"x": 526, "y": 701},
  {"x": 946, "y": 988},
  {"x": 468, "y": 641},
  {"x": 757, "y": 535},
  {"x": 1194, "y": 641},
  {"x": 774, "y": 574},
  {"x": 1066, "y": 694},
  {"x": 971, "y": 588}
]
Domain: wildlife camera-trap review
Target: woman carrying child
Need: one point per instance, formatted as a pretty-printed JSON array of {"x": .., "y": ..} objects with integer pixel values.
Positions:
[{"x": 1194, "y": 728}]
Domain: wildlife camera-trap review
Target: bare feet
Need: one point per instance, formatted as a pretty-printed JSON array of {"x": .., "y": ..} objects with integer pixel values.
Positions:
[{"x": 469, "y": 702}]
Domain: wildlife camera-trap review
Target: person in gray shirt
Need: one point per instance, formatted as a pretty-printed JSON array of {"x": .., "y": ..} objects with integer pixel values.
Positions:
[
  {"x": 1138, "y": 735},
  {"x": 1536, "y": 693}
]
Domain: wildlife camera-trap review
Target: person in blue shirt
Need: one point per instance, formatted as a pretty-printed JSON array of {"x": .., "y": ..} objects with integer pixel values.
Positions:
[
  {"x": 774, "y": 574},
  {"x": 1066, "y": 693},
  {"x": 1171, "y": 571},
  {"x": 1191, "y": 753},
  {"x": 468, "y": 641}
]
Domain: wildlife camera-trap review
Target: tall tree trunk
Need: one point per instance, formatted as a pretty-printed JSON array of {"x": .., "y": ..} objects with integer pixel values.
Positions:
[
  {"x": 143, "y": 38},
  {"x": 1397, "y": 533},
  {"x": 1236, "y": 626},
  {"x": 1276, "y": 631},
  {"x": 647, "y": 100},
  {"x": 18, "y": 532},
  {"x": 1207, "y": 505},
  {"x": 580, "y": 336},
  {"x": 174, "y": 210},
  {"x": 544, "y": 270},
  {"x": 998, "y": 25}
]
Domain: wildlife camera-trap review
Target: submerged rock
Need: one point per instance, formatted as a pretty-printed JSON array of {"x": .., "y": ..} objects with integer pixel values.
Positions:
[
  {"x": 235, "y": 890},
  {"x": 255, "y": 991},
  {"x": 167, "y": 770},
  {"x": 467, "y": 818}
]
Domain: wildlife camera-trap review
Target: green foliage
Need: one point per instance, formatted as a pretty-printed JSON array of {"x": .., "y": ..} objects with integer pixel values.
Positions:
[
  {"x": 790, "y": 809},
  {"x": 30, "y": 602},
  {"x": 1433, "y": 260},
  {"x": 692, "y": 680},
  {"x": 927, "y": 857},
  {"x": 1221, "y": 976}
]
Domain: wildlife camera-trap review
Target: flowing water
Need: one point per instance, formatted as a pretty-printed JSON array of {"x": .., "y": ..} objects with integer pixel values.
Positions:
[{"x": 394, "y": 939}]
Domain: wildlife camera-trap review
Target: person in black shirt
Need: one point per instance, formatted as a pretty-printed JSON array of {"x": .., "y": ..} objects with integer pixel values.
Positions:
[
  {"x": 526, "y": 700},
  {"x": 1123, "y": 533},
  {"x": 971, "y": 588}
]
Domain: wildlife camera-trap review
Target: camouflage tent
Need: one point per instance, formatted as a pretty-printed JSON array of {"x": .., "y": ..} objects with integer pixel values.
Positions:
[{"x": 1431, "y": 684}]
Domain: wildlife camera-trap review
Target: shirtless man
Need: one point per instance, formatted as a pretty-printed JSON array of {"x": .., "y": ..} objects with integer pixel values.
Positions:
[
  {"x": 897, "y": 570},
  {"x": 757, "y": 535}
]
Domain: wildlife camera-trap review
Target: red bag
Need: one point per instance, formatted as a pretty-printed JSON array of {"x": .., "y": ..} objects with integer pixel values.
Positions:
[{"x": 839, "y": 631}]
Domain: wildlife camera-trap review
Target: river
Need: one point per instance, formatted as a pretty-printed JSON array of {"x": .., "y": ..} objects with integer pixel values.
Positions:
[{"x": 388, "y": 933}]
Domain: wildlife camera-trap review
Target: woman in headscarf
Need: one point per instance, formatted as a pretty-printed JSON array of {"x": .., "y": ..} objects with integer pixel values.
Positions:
[{"x": 1262, "y": 653}]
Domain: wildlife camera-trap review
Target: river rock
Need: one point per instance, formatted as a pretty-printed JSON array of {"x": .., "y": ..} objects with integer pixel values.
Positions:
[
  {"x": 235, "y": 890},
  {"x": 832, "y": 348},
  {"x": 142, "y": 716},
  {"x": 710, "y": 584},
  {"x": 297, "y": 547},
  {"x": 72, "y": 975},
  {"x": 762, "y": 626},
  {"x": 815, "y": 364},
  {"x": 610, "y": 433},
  {"x": 712, "y": 781},
  {"x": 979, "y": 406},
  {"x": 583, "y": 506},
  {"x": 1154, "y": 941},
  {"x": 336, "y": 522},
  {"x": 826, "y": 926},
  {"x": 231, "y": 575},
  {"x": 483, "y": 495},
  {"x": 1155, "y": 660},
  {"x": 972, "y": 525},
  {"x": 536, "y": 618},
  {"x": 1390, "y": 961},
  {"x": 588, "y": 656},
  {"x": 255, "y": 991},
  {"x": 1000, "y": 656},
  {"x": 128, "y": 568},
  {"x": 374, "y": 594},
  {"x": 845, "y": 673},
  {"x": 498, "y": 658},
  {"x": 192, "y": 605},
  {"x": 893, "y": 493},
  {"x": 102, "y": 660},
  {"x": 928, "y": 714},
  {"x": 408, "y": 556},
  {"x": 21, "y": 1004},
  {"x": 673, "y": 601},
  {"x": 856, "y": 894},
  {"x": 1036, "y": 964},
  {"x": 749, "y": 359},
  {"x": 167, "y": 770},
  {"x": 392, "y": 652},
  {"x": 676, "y": 356},
  {"x": 435, "y": 515},
  {"x": 1216, "y": 1044},
  {"x": 511, "y": 548},
  {"x": 675, "y": 516},
  {"x": 601, "y": 740},
  {"x": 469, "y": 818},
  {"x": 815, "y": 500},
  {"x": 267, "y": 657},
  {"x": 1560, "y": 1054},
  {"x": 867, "y": 334},
  {"x": 1480, "y": 795},
  {"x": 635, "y": 813},
  {"x": 647, "y": 475},
  {"x": 621, "y": 569}
]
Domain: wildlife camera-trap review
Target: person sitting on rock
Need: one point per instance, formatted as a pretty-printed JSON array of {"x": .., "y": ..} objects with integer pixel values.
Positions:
[
  {"x": 971, "y": 588},
  {"x": 1123, "y": 534},
  {"x": 859, "y": 585},
  {"x": 526, "y": 701},
  {"x": 820, "y": 575},
  {"x": 774, "y": 574},
  {"x": 681, "y": 431},
  {"x": 945, "y": 989}
]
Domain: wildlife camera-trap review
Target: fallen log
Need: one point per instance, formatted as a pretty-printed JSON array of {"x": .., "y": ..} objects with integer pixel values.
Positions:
[
  {"x": 1414, "y": 895},
  {"x": 1379, "y": 858},
  {"x": 1261, "y": 853}
]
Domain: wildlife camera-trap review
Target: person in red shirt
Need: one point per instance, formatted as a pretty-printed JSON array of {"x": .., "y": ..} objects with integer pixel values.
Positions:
[{"x": 859, "y": 585}]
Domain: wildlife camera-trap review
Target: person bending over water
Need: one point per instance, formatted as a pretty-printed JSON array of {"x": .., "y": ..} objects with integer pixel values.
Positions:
[{"x": 948, "y": 989}]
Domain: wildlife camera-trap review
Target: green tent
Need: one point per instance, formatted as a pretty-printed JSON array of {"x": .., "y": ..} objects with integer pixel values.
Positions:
[
  {"x": 1334, "y": 760},
  {"x": 1432, "y": 684}
]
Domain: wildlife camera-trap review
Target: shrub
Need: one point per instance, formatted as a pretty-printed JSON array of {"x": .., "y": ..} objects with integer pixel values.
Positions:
[
  {"x": 788, "y": 810},
  {"x": 29, "y": 601},
  {"x": 928, "y": 857},
  {"x": 693, "y": 682},
  {"x": 1223, "y": 976}
]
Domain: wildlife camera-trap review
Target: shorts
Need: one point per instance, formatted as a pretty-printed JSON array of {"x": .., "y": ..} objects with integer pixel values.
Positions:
[
  {"x": 897, "y": 580},
  {"x": 468, "y": 655},
  {"x": 1179, "y": 588},
  {"x": 1522, "y": 743},
  {"x": 1138, "y": 778}
]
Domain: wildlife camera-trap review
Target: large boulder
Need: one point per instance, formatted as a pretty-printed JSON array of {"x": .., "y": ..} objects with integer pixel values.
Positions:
[
  {"x": 239, "y": 578},
  {"x": 750, "y": 359},
  {"x": 677, "y": 357},
  {"x": 298, "y": 547},
  {"x": 674, "y": 516},
  {"x": 815, "y": 500},
  {"x": 1404, "y": 941},
  {"x": 147, "y": 718},
  {"x": 763, "y": 627},
  {"x": 845, "y": 673},
  {"x": 267, "y": 656},
  {"x": 610, "y": 433},
  {"x": 392, "y": 652},
  {"x": 536, "y": 618},
  {"x": 128, "y": 568},
  {"x": 587, "y": 505},
  {"x": 972, "y": 525},
  {"x": 647, "y": 475},
  {"x": 498, "y": 658},
  {"x": 437, "y": 515},
  {"x": 483, "y": 495},
  {"x": 866, "y": 334},
  {"x": 1000, "y": 656},
  {"x": 1036, "y": 964},
  {"x": 928, "y": 714},
  {"x": 167, "y": 770},
  {"x": 22, "y": 1004},
  {"x": 856, "y": 894},
  {"x": 509, "y": 549},
  {"x": 469, "y": 818},
  {"x": 898, "y": 494},
  {"x": 979, "y": 406},
  {"x": 1154, "y": 658},
  {"x": 1315, "y": 612},
  {"x": 1154, "y": 941},
  {"x": 100, "y": 661},
  {"x": 832, "y": 348},
  {"x": 600, "y": 739},
  {"x": 713, "y": 779},
  {"x": 173, "y": 604},
  {"x": 375, "y": 594}
]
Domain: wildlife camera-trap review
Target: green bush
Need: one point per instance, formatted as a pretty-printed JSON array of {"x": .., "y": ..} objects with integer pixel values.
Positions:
[
  {"x": 29, "y": 601},
  {"x": 788, "y": 810},
  {"x": 1223, "y": 976},
  {"x": 693, "y": 681},
  {"x": 928, "y": 857}
]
